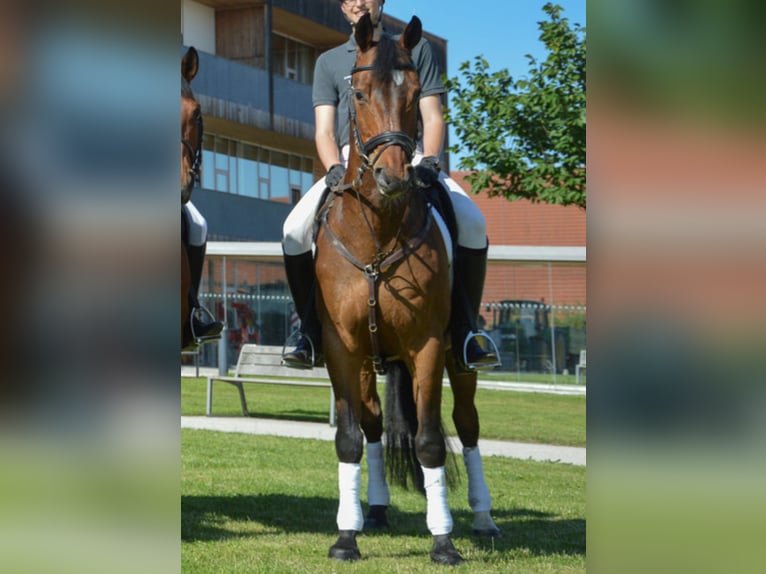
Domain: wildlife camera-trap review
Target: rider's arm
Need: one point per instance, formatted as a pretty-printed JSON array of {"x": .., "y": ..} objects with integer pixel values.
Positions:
[
  {"x": 324, "y": 136},
  {"x": 433, "y": 125}
]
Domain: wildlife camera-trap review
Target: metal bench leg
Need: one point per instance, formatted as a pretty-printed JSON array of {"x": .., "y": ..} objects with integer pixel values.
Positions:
[
  {"x": 242, "y": 399},
  {"x": 209, "y": 408}
]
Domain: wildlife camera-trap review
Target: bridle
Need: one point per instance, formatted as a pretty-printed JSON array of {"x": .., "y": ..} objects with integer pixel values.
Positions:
[
  {"x": 380, "y": 142},
  {"x": 195, "y": 152}
]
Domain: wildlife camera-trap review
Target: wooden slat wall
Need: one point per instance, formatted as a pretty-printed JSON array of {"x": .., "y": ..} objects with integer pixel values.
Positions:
[{"x": 240, "y": 35}]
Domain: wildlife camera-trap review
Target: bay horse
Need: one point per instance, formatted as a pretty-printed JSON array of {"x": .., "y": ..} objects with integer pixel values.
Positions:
[
  {"x": 383, "y": 299},
  {"x": 191, "y": 159}
]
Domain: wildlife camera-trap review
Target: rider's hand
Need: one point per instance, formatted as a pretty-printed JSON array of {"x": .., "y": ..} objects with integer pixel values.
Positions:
[
  {"x": 335, "y": 175},
  {"x": 427, "y": 171}
]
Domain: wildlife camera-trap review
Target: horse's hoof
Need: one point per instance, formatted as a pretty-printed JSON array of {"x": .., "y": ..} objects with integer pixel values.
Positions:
[
  {"x": 345, "y": 548},
  {"x": 443, "y": 552},
  {"x": 488, "y": 532},
  {"x": 376, "y": 518}
]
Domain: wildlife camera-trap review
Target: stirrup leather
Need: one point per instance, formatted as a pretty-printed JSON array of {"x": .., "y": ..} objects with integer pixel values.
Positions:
[
  {"x": 210, "y": 318},
  {"x": 481, "y": 333}
]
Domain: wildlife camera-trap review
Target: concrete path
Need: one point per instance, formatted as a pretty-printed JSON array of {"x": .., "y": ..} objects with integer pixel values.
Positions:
[{"x": 321, "y": 431}]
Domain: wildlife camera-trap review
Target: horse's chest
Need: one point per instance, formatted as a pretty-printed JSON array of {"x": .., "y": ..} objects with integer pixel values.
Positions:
[{"x": 404, "y": 300}]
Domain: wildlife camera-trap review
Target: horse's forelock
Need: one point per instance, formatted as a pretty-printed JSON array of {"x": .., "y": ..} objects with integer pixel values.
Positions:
[{"x": 388, "y": 59}]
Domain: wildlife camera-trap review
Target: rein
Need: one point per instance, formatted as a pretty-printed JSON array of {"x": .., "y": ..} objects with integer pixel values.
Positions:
[{"x": 372, "y": 272}]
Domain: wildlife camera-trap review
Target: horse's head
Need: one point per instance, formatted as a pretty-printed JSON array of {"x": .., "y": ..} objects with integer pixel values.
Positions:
[
  {"x": 191, "y": 126},
  {"x": 384, "y": 105}
]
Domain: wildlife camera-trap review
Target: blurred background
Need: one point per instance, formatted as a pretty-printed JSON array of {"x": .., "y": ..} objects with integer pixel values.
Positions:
[
  {"x": 676, "y": 276},
  {"x": 89, "y": 429}
]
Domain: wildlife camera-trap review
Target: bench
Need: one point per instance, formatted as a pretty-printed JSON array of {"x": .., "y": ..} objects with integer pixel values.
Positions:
[
  {"x": 580, "y": 366},
  {"x": 262, "y": 364},
  {"x": 195, "y": 353}
]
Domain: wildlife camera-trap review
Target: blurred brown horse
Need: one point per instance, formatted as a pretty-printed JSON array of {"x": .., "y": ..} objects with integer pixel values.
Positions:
[
  {"x": 191, "y": 159},
  {"x": 384, "y": 301}
]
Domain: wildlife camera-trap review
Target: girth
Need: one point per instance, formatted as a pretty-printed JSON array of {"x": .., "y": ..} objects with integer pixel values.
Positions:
[{"x": 372, "y": 272}]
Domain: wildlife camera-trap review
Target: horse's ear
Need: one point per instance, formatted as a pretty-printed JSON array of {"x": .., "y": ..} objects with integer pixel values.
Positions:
[
  {"x": 190, "y": 64},
  {"x": 411, "y": 35},
  {"x": 363, "y": 32}
]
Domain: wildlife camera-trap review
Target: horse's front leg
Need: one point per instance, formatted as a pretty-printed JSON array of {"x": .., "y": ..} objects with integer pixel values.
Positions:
[
  {"x": 345, "y": 374},
  {"x": 431, "y": 449},
  {"x": 466, "y": 419}
]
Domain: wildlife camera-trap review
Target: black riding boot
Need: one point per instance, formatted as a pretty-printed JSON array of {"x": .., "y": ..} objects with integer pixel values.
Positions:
[
  {"x": 470, "y": 270},
  {"x": 201, "y": 327},
  {"x": 299, "y": 270}
]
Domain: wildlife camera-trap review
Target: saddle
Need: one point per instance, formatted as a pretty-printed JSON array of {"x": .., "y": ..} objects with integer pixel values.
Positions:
[{"x": 436, "y": 195}]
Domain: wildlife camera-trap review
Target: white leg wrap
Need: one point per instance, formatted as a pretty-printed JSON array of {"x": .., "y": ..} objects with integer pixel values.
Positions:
[
  {"x": 377, "y": 487},
  {"x": 478, "y": 494},
  {"x": 349, "y": 507},
  {"x": 438, "y": 516}
]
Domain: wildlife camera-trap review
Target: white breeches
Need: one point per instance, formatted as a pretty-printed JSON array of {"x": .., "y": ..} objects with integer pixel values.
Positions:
[
  {"x": 197, "y": 225},
  {"x": 297, "y": 231}
]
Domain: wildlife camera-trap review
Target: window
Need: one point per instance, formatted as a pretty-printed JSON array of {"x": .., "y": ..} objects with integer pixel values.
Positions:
[
  {"x": 249, "y": 170},
  {"x": 293, "y": 60}
]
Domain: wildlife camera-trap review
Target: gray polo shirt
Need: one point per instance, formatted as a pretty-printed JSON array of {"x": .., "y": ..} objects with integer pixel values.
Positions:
[{"x": 331, "y": 79}]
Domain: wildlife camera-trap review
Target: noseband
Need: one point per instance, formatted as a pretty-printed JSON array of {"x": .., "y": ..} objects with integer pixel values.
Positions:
[{"x": 383, "y": 140}]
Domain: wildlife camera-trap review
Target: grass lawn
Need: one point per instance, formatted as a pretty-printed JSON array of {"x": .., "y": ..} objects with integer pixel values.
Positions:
[
  {"x": 504, "y": 415},
  {"x": 267, "y": 504}
]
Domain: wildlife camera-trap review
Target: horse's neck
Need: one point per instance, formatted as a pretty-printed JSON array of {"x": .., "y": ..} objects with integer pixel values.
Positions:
[{"x": 370, "y": 225}]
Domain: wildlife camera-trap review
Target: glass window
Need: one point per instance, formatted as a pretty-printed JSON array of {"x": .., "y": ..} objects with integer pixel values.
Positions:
[
  {"x": 280, "y": 185},
  {"x": 293, "y": 59},
  {"x": 242, "y": 168},
  {"x": 248, "y": 171}
]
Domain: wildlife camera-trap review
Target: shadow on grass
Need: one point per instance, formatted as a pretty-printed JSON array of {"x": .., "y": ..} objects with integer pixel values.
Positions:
[
  {"x": 292, "y": 415},
  {"x": 208, "y": 518}
]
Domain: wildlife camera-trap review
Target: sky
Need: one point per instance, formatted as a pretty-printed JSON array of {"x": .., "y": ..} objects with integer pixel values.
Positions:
[{"x": 503, "y": 31}]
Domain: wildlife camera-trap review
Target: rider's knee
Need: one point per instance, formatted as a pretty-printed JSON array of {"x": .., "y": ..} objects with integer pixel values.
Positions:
[{"x": 197, "y": 225}]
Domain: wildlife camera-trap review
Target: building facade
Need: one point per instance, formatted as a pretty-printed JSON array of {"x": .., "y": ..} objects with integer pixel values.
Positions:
[{"x": 254, "y": 86}]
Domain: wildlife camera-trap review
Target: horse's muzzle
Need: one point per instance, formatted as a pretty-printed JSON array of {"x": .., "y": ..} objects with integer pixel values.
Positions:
[{"x": 391, "y": 186}]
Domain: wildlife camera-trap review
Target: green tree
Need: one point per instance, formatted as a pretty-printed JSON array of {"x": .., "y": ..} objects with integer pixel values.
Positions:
[{"x": 525, "y": 139}]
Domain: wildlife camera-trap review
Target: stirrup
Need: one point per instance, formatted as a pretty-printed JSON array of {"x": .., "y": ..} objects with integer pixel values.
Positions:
[
  {"x": 200, "y": 339},
  {"x": 481, "y": 366},
  {"x": 292, "y": 341}
]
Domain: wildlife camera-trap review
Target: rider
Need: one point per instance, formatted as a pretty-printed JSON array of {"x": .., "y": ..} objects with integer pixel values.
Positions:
[
  {"x": 330, "y": 97},
  {"x": 194, "y": 235}
]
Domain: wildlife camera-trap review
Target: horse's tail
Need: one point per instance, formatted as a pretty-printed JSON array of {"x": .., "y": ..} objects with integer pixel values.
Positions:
[{"x": 401, "y": 425}]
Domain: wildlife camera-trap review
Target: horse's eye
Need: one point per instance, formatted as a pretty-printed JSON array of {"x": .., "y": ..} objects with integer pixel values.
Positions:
[{"x": 359, "y": 95}]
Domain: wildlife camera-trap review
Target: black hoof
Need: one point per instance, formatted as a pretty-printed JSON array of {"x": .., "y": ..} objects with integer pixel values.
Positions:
[
  {"x": 345, "y": 548},
  {"x": 488, "y": 533},
  {"x": 376, "y": 518},
  {"x": 443, "y": 552}
]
